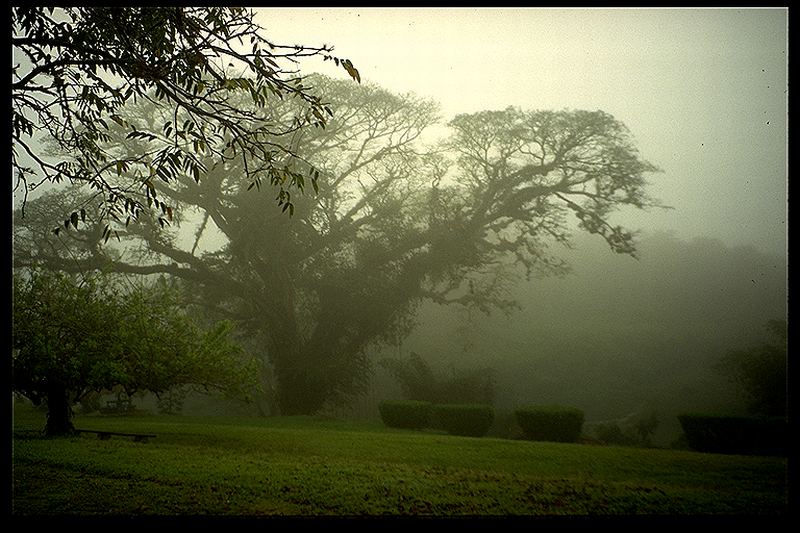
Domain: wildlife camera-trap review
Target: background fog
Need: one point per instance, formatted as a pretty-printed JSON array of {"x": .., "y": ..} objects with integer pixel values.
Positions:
[{"x": 703, "y": 91}]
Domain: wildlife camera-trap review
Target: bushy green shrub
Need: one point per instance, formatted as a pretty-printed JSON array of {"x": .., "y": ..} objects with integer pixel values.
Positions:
[
  {"x": 405, "y": 414},
  {"x": 468, "y": 420},
  {"x": 504, "y": 425},
  {"x": 555, "y": 423},
  {"x": 746, "y": 435}
]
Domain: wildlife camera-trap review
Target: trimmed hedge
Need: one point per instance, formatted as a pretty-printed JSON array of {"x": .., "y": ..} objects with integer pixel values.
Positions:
[
  {"x": 466, "y": 420},
  {"x": 405, "y": 414},
  {"x": 554, "y": 423},
  {"x": 745, "y": 435}
]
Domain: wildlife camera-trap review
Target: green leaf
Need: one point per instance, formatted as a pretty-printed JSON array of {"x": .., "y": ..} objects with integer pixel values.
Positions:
[{"x": 351, "y": 70}]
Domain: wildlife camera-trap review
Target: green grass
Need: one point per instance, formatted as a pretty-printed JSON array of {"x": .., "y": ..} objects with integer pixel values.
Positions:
[{"x": 304, "y": 466}]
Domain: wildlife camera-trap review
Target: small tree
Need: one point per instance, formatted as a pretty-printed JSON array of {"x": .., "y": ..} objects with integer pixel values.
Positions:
[
  {"x": 171, "y": 402},
  {"x": 70, "y": 338},
  {"x": 645, "y": 427},
  {"x": 418, "y": 382},
  {"x": 761, "y": 372},
  {"x": 415, "y": 377}
]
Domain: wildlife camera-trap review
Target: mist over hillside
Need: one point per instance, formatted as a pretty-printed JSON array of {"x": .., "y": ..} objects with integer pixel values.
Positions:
[{"x": 618, "y": 335}]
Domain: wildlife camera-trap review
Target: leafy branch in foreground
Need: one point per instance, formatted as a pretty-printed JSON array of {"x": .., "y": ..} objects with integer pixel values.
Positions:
[{"x": 75, "y": 68}]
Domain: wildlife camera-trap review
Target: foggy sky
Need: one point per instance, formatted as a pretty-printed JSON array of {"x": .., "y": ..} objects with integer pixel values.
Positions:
[{"x": 703, "y": 91}]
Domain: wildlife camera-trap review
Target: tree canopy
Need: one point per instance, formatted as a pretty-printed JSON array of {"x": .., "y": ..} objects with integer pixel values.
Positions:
[
  {"x": 76, "y": 68},
  {"x": 73, "y": 337},
  {"x": 394, "y": 222}
]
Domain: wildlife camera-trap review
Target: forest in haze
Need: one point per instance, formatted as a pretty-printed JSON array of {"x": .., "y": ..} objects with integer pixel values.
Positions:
[
  {"x": 493, "y": 244},
  {"x": 282, "y": 291},
  {"x": 620, "y": 336}
]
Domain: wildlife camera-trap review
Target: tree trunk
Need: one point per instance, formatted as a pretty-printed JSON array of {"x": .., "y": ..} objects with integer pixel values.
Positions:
[
  {"x": 59, "y": 412},
  {"x": 299, "y": 393},
  {"x": 267, "y": 403}
]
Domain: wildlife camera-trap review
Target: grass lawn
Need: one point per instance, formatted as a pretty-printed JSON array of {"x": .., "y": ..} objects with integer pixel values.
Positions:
[{"x": 303, "y": 466}]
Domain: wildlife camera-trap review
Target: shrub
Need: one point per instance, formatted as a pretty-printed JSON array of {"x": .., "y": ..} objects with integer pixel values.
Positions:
[
  {"x": 418, "y": 381},
  {"x": 611, "y": 433},
  {"x": 405, "y": 414},
  {"x": 633, "y": 430},
  {"x": 504, "y": 426},
  {"x": 746, "y": 435},
  {"x": 467, "y": 420},
  {"x": 550, "y": 422}
]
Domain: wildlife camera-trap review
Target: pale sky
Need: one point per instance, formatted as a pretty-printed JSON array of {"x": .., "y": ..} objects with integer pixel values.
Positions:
[{"x": 703, "y": 91}]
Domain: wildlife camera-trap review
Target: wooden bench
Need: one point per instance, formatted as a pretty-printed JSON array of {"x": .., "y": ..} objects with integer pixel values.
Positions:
[{"x": 105, "y": 435}]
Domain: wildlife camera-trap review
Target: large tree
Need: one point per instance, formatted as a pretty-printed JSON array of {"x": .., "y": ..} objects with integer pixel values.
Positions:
[
  {"x": 394, "y": 222},
  {"x": 76, "y": 68},
  {"x": 72, "y": 336}
]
